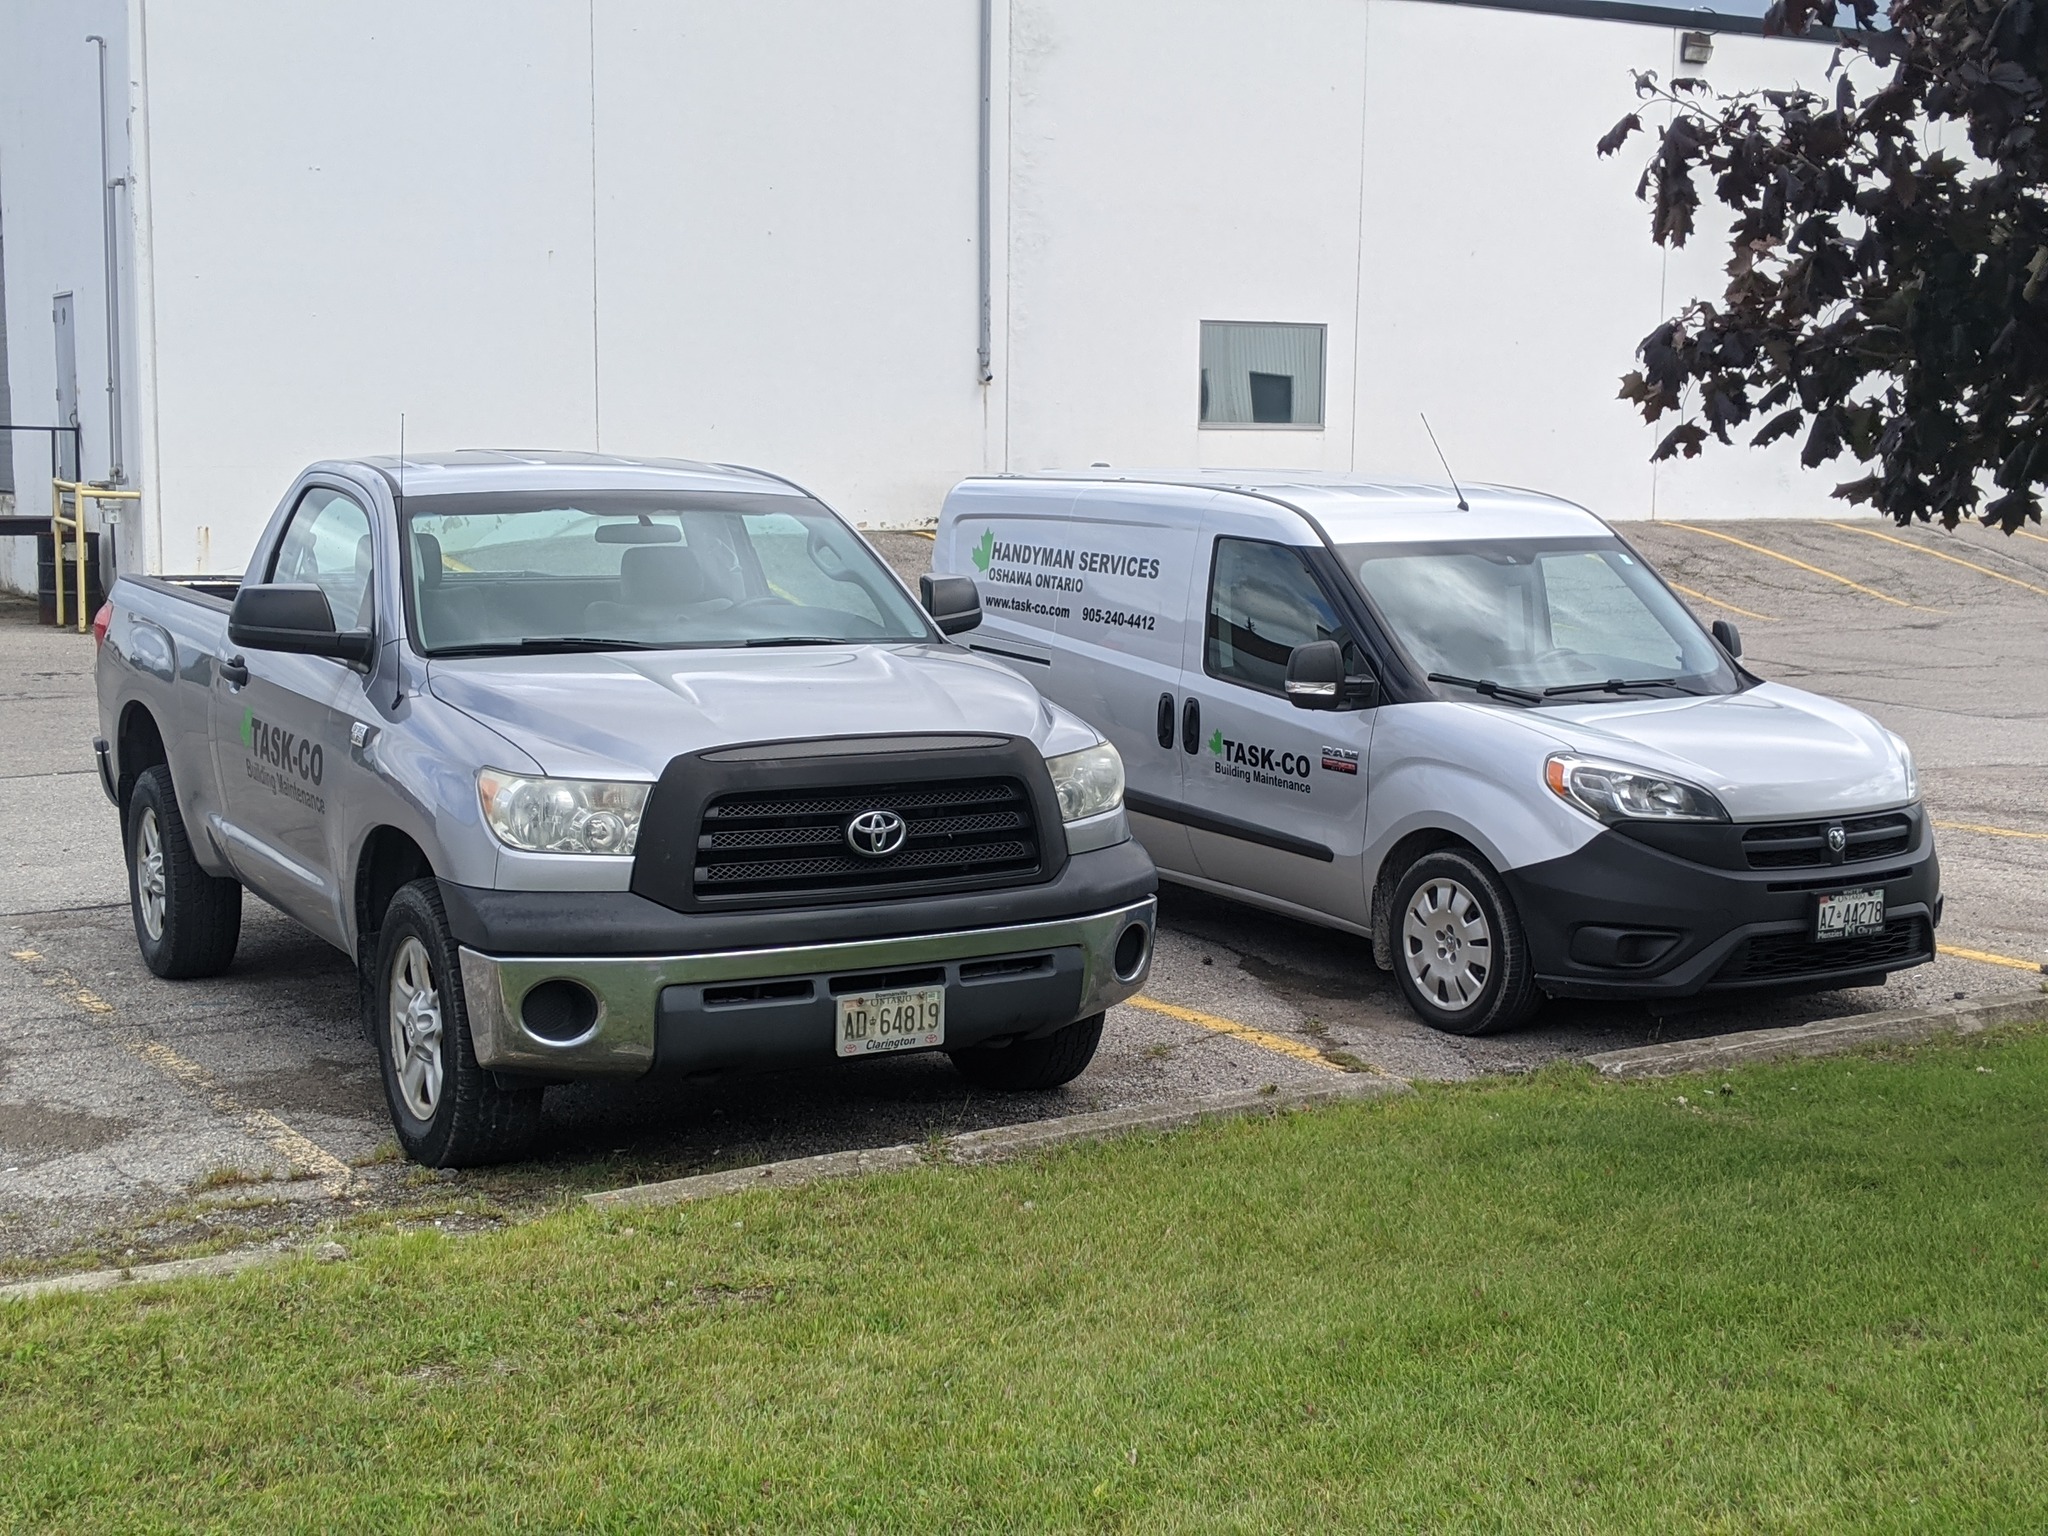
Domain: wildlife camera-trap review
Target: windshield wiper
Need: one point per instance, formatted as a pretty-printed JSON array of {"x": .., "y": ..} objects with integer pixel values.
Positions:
[
  {"x": 798, "y": 640},
  {"x": 1615, "y": 685},
  {"x": 1489, "y": 687},
  {"x": 546, "y": 644}
]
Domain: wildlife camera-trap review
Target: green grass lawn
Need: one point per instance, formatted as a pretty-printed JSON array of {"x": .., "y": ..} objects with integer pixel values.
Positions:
[{"x": 1811, "y": 1299}]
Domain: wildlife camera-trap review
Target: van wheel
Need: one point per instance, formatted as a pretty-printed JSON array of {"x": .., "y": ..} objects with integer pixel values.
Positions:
[
  {"x": 187, "y": 922},
  {"x": 1459, "y": 953},
  {"x": 449, "y": 1112},
  {"x": 1025, "y": 1066}
]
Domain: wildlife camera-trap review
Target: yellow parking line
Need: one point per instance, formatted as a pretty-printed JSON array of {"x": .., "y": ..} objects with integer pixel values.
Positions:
[
  {"x": 1872, "y": 533},
  {"x": 1976, "y": 826},
  {"x": 1245, "y": 1032},
  {"x": 1987, "y": 958},
  {"x": 1701, "y": 596},
  {"x": 1883, "y": 597},
  {"x": 2034, "y": 536}
]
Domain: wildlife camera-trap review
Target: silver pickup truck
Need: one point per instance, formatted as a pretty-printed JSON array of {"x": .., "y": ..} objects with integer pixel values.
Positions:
[{"x": 602, "y": 767}]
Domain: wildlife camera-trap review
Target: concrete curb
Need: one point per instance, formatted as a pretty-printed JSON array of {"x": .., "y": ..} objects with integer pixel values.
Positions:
[
  {"x": 143, "y": 1274},
  {"x": 1823, "y": 1037},
  {"x": 990, "y": 1145}
]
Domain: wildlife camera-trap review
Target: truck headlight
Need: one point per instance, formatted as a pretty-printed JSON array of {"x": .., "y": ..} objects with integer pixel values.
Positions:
[
  {"x": 562, "y": 815},
  {"x": 1088, "y": 782},
  {"x": 1611, "y": 792}
]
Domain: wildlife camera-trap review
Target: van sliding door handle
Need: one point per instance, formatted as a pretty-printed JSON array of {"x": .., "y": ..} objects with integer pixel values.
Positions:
[
  {"x": 234, "y": 670},
  {"x": 1191, "y": 726},
  {"x": 1165, "y": 727}
]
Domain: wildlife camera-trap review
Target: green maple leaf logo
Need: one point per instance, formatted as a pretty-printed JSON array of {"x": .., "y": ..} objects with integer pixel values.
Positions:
[
  {"x": 985, "y": 550},
  {"x": 248, "y": 727},
  {"x": 1216, "y": 742}
]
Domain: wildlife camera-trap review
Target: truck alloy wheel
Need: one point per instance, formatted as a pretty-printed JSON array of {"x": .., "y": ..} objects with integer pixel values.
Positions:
[
  {"x": 187, "y": 922},
  {"x": 449, "y": 1111},
  {"x": 1459, "y": 954},
  {"x": 415, "y": 1010}
]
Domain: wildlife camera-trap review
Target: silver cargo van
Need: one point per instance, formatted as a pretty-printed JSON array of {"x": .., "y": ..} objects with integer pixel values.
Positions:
[{"x": 1476, "y": 729}]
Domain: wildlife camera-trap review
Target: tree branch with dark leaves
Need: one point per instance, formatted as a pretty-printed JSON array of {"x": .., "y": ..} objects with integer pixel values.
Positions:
[{"x": 1885, "y": 300}]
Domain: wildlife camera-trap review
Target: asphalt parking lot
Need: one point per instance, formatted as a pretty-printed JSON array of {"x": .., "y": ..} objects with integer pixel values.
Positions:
[{"x": 139, "y": 1117}]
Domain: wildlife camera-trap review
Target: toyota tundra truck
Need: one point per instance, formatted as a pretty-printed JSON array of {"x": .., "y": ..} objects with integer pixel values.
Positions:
[{"x": 601, "y": 767}]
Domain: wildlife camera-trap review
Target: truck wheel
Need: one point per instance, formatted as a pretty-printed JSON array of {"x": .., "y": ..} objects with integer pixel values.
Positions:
[
  {"x": 1024, "y": 1066},
  {"x": 187, "y": 922},
  {"x": 449, "y": 1112},
  {"x": 1459, "y": 953}
]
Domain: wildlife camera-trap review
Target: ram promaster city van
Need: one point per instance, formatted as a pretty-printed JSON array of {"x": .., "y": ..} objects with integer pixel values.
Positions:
[{"x": 1476, "y": 729}]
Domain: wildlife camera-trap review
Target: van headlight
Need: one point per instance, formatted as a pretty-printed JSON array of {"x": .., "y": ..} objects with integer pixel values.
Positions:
[
  {"x": 1906, "y": 762},
  {"x": 1611, "y": 792},
  {"x": 1088, "y": 782},
  {"x": 562, "y": 815}
]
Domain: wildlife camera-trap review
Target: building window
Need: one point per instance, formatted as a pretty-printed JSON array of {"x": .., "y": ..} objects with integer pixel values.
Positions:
[{"x": 1257, "y": 374}]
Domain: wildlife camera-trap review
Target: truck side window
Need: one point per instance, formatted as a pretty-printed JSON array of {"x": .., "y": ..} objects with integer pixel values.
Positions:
[
  {"x": 1263, "y": 602},
  {"x": 328, "y": 543}
]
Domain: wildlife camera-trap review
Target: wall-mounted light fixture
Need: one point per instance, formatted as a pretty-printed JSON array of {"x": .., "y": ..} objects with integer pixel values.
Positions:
[{"x": 1695, "y": 47}]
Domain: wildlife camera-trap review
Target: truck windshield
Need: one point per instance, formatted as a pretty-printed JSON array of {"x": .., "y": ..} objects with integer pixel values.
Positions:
[
  {"x": 589, "y": 570},
  {"x": 1558, "y": 621}
]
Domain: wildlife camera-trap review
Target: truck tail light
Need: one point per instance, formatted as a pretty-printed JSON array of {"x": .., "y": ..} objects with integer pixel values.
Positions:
[{"x": 100, "y": 621}]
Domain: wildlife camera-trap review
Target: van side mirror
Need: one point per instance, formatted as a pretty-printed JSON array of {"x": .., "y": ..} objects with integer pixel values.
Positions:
[
  {"x": 952, "y": 601},
  {"x": 1316, "y": 679},
  {"x": 1729, "y": 636},
  {"x": 294, "y": 617}
]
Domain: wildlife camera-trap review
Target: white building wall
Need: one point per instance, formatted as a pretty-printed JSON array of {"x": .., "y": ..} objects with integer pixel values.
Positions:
[
  {"x": 748, "y": 233},
  {"x": 50, "y": 208}
]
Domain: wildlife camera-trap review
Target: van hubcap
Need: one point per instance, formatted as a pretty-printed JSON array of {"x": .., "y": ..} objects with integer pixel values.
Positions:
[
  {"x": 415, "y": 1030},
  {"x": 149, "y": 874},
  {"x": 1447, "y": 944}
]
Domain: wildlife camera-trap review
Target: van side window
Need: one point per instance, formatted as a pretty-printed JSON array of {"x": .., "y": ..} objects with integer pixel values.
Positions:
[
  {"x": 1263, "y": 602},
  {"x": 328, "y": 544}
]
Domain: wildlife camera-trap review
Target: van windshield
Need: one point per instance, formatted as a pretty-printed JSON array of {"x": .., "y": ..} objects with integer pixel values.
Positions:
[
  {"x": 1542, "y": 620},
  {"x": 633, "y": 570}
]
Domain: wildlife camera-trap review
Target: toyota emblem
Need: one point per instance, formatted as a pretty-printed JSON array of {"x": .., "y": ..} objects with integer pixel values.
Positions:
[
  {"x": 1837, "y": 839},
  {"x": 876, "y": 834}
]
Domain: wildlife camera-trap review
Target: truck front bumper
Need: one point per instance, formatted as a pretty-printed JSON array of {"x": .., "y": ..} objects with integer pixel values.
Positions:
[{"x": 623, "y": 1016}]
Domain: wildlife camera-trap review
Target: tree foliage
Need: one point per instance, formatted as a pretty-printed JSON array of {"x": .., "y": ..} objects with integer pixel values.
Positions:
[{"x": 1886, "y": 299}]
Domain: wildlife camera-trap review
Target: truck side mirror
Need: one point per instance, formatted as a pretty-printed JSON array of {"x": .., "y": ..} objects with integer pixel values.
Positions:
[
  {"x": 1729, "y": 636},
  {"x": 1316, "y": 679},
  {"x": 952, "y": 601},
  {"x": 294, "y": 617}
]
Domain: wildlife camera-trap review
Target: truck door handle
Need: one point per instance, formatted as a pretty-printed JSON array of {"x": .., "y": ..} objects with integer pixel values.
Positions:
[
  {"x": 234, "y": 670},
  {"x": 1166, "y": 720},
  {"x": 1191, "y": 726}
]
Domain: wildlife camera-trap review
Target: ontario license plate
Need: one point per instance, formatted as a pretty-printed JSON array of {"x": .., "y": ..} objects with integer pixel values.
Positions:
[
  {"x": 1849, "y": 915},
  {"x": 912, "y": 1019}
]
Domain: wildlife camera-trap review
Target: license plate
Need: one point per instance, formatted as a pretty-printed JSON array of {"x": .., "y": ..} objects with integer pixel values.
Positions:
[
  {"x": 1849, "y": 915},
  {"x": 912, "y": 1019}
]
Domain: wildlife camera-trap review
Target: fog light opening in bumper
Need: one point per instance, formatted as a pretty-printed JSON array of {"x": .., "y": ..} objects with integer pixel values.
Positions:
[
  {"x": 1133, "y": 946},
  {"x": 560, "y": 1012}
]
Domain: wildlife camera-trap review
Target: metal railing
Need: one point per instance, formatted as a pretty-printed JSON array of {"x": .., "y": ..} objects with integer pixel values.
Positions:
[{"x": 80, "y": 492}]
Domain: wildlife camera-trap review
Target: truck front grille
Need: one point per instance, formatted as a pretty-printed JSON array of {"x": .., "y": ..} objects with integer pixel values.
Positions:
[
  {"x": 1804, "y": 844},
  {"x": 781, "y": 845}
]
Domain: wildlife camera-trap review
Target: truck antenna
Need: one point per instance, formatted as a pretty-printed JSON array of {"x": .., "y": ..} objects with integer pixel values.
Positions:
[
  {"x": 401, "y": 455},
  {"x": 1463, "y": 504}
]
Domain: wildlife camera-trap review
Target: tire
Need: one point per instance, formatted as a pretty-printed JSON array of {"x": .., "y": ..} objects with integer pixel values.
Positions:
[
  {"x": 187, "y": 922},
  {"x": 1459, "y": 952},
  {"x": 1028, "y": 1066},
  {"x": 448, "y": 1111}
]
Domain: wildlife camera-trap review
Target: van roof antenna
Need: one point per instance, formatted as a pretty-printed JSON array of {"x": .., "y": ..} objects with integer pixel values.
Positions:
[
  {"x": 401, "y": 455},
  {"x": 1463, "y": 504}
]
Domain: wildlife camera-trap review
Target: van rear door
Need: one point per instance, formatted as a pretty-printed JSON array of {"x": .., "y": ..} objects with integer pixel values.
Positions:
[{"x": 1275, "y": 795}]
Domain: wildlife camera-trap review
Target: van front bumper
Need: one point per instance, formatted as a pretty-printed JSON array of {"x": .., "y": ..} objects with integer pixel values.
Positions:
[
  {"x": 624, "y": 1016},
  {"x": 1623, "y": 918}
]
